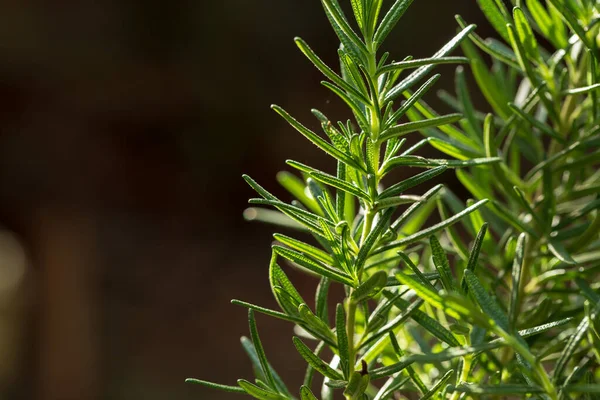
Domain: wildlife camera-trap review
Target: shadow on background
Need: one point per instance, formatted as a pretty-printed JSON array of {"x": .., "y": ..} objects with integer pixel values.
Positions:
[{"x": 124, "y": 130}]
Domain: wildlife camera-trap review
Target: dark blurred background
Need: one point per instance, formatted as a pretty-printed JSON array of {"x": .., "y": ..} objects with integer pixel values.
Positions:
[{"x": 124, "y": 130}]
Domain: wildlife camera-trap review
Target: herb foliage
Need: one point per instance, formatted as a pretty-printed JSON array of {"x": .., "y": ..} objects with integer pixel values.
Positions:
[{"x": 501, "y": 297}]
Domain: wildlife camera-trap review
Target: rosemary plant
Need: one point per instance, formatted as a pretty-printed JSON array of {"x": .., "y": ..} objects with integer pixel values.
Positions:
[{"x": 498, "y": 299}]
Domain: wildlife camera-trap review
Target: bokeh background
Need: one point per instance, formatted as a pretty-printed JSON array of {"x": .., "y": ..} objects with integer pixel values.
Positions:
[{"x": 124, "y": 130}]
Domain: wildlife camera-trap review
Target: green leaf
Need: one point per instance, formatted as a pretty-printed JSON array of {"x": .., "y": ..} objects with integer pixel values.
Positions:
[
  {"x": 351, "y": 73},
  {"x": 545, "y": 23},
  {"x": 416, "y": 270},
  {"x": 306, "y": 394},
  {"x": 414, "y": 77},
  {"x": 382, "y": 372},
  {"x": 587, "y": 291},
  {"x": 572, "y": 344},
  {"x": 342, "y": 338},
  {"x": 452, "y": 149},
  {"x": 310, "y": 371},
  {"x": 402, "y": 65},
  {"x": 318, "y": 364},
  {"x": 338, "y": 245},
  {"x": 573, "y": 23},
  {"x": 341, "y": 185},
  {"x": 513, "y": 220},
  {"x": 496, "y": 14},
  {"x": 285, "y": 301},
  {"x": 266, "y": 369},
  {"x": 266, "y": 311},
  {"x": 272, "y": 217},
  {"x": 356, "y": 386},
  {"x": 559, "y": 251},
  {"x": 493, "y": 47},
  {"x": 371, "y": 239},
  {"x": 582, "y": 90},
  {"x": 309, "y": 220},
  {"x": 321, "y": 297},
  {"x": 476, "y": 249},
  {"x": 582, "y": 388},
  {"x": 401, "y": 187},
  {"x": 342, "y": 200},
  {"x": 504, "y": 389},
  {"x": 328, "y": 72},
  {"x": 452, "y": 134},
  {"x": 304, "y": 248},
  {"x": 453, "y": 353},
  {"x": 357, "y": 8},
  {"x": 392, "y": 385},
  {"x": 438, "y": 385},
  {"x": 340, "y": 25},
  {"x": 296, "y": 187},
  {"x": 259, "y": 393},
  {"x": 369, "y": 288},
  {"x": 513, "y": 312},
  {"x": 453, "y": 236},
  {"x": 372, "y": 16},
  {"x": 534, "y": 122},
  {"x": 323, "y": 199},
  {"x": 426, "y": 293},
  {"x": 225, "y": 388},
  {"x": 278, "y": 278},
  {"x": 394, "y": 202},
  {"x": 492, "y": 90},
  {"x": 336, "y": 384},
  {"x": 252, "y": 353},
  {"x": 525, "y": 34},
  {"x": 525, "y": 203},
  {"x": 390, "y": 20},
  {"x": 412, "y": 99},
  {"x": 356, "y": 107},
  {"x": 408, "y": 127},
  {"x": 317, "y": 267},
  {"x": 316, "y": 324},
  {"x": 394, "y": 323},
  {"x": 430, "y": 324},
  {"x": 416, "y": 161},
  {"x": 411, "y": 371},
  {"x": 440, "y": 260},
  {"x": 299, "y": 215},
  {"x": 317, "y": 140},
  {"x": 431, "y": 230},
  {"x": 474, "y": 255},
  {"x": 487, "y": 304},
  {"x": 414, "y": 217},
  {"x": 492, "y": 87},
  {"x": 543, "y": 328},
  {"x": 467, "y": 107}
]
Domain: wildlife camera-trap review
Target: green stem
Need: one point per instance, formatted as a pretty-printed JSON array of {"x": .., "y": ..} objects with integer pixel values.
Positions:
[
  {"x": 538, "y": 368},
  {"x": 368, "y": 224},
  {"x": 464, "y": 375}
]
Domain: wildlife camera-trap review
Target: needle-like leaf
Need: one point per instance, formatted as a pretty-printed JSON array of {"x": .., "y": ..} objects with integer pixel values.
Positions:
[
  {"x": 318, "y": 364},
  {"x": 440, "y": 260}
]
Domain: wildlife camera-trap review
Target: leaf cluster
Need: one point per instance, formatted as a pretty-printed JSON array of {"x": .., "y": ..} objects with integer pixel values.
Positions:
[{"x": 500, "y": 297}]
